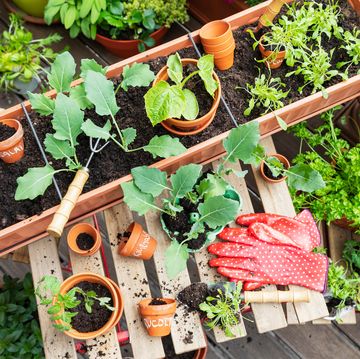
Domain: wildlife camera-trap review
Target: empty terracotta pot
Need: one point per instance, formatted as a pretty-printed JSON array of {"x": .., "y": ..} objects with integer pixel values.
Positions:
[
  {"x": 184, "y": 127},
  {"x": 283, "y": 160},
  {"x": 74, "y": 233},
  {"x": 157, "y": 318},
  {"x": 274, "y": 59},
  {"x": 12, "y": 149},
  {"x": 139, "y": 244}
]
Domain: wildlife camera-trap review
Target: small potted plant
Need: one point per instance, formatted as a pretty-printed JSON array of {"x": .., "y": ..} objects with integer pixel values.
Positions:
[
  {"x": 135, "y": 242},
  {"x": 84, "y": 306},
  {"x": 172, "y": 102},
  {"x": 157, "y": 314},
  {"x": 273, "y": 168},
  {"x": 84, "y": 239},
  {"x": 11, "y": 140}
]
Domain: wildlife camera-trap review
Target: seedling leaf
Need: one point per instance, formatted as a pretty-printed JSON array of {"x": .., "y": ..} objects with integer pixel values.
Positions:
[
  {"x": 78, "y": 94},
  {"x": 42, "y": 104},
  {"x": 57, "y": 148},
  {"x": 149, "y": 180},
  {"x": 91, "y": 64},
  {"x": 136, "y": 75},
  {"x": 175, "y": 69},
  {"x": 185, "y": 179},
  {"x": 191, "y": 110},
  {"x": 92, "y": 130},
  {"x": 164, "y": 146},
  {"x": 303, "y": 178},
  {"x": 176, "y": 256}
]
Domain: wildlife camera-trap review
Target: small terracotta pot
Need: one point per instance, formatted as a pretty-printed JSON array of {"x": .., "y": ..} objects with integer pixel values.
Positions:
[
  {"x": 283, "y": 160},
  {"x": 139, "y": 245},
  {"x": 12, "y": 149},
  {"x": 118, "y": 303},
  {"x": 87, "y": 228},
  {"x": 346, "y": 224},
  {"x": 275, "y": 58},
  {"x": 184, "y": 127},
  {"x": 127, "y": 48},
  {"x": 224, "y": 59},
  {"x": 157, "y": 318}
]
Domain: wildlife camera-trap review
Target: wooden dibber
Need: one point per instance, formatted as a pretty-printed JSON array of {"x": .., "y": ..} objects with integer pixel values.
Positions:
[
  {"x": 68, "y": 203},
  {"x": 277, "y": 296}
]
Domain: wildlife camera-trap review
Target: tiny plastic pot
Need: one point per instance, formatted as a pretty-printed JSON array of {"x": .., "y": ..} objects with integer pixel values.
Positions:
[
  {"x": 192, "y": 127},
  {"x": 139, "y": 244},
  {"x": 12, "y": 149},
  {"x": 283, "y": 160},
  {"x": 215, "y": 33},
  {"x": 87, "y": 228},
  {"x": 274, "y": 58},
  {"x": 116, "y": 296},
  {"x": 157, "y": 318}
]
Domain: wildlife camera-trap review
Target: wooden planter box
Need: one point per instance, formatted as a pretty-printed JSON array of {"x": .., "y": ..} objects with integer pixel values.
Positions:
[{"x": 33, "y": 228}]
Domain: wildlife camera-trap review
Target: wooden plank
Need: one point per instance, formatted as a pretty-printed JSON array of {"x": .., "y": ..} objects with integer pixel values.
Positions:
[
  {"x": 128, "y": 270},
  {"x": 105, "y": 345},
  {"x": 21, "y": 255},
  {"x": 185, "y": 325},
  {"x": 208, "y": 274},
  {"x": 276, "y": 199},
  {"x": 44, "y": 260}
]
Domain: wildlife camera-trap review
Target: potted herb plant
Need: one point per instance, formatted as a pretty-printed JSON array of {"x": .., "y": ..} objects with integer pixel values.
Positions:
[
  {"x": 11, "y": 140},
  {"x": 84, "y": 239},
  {"x": 84, "y": 306},
  {"x": 175, "y": 106}
]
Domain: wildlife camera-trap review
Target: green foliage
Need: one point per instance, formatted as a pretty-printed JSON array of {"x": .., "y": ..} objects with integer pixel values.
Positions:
[
  {"x": 352, "y": 48},
  {"x": 136, "y": 75},
  {"x": 21, "y": 55},
  {"x": 223, "y": 309},
  {"x": 49, "y": 287},
  {"x": 351, "y": 254},
  {"x": 164, "y": 101},
  {"x": 20, "y": 335},
  {"x": 176, "y": 256}
]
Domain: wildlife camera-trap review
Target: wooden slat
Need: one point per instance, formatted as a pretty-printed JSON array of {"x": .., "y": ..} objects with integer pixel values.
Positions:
[
  {"x": 208, "y": 274},
  {"x": 21, "y": 255},
  {"x": 44, "y": 260},
  {"x": 133, "y": 282},
  {"x": 276, "y": 199},
  {"x": 105, "y": 345},
  {"x": 185, "y": 324}
]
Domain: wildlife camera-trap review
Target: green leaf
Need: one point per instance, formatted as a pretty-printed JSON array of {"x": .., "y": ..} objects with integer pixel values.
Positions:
[
  {"x": 164, "y": 101},
  {"x": 100, "y": 92},
  {"x": 165, "y": 146},
  {"x": 85, "y": 8},
  {"x": 129, "y": 135},
  {"x": 242, "y": 141},
  {"x": 137, "y": 200},
  {"x": 149, "y": 180},
  {"x": 281, "y": 123},
  {"x": 136, "y": 75},
  {"x": 184, "y": 180},
  {"x": 58, "y": 149},
  {"x": 191, "y": 110},
  {"x": 212, "y": 186},
  {"x": 91, "y": 64},
  {"x": 78, "y": 94},
  {"x": 70, "y": 17},
  {"x": 206, "y": 67},
  {"x": 176, "y": 256},
  {"x": 218, "y": 211},
  {"x": 34, "y": 183},
  {"x": 303, "y": 178},
  {"x": 62, "y": 72},
  {"x": 94, "y": 131},
  {"x": 175, "y": 69},
  {"x": 42, "y": 104},
  {"x": 67, "y": 119}
]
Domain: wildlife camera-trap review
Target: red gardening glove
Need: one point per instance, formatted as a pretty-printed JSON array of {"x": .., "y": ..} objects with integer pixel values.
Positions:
[{"x": 270, "y": 264}]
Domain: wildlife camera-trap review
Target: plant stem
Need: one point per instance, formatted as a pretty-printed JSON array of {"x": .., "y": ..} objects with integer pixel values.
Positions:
[{"x": 188, "y": 78}]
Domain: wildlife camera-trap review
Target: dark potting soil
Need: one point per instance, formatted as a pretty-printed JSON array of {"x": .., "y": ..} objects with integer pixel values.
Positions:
[
  {"x": 193, "y": 295},
  {"x": 6, "y": 132},
  {"x": 157, "y": 301},
  {"x": 269, "y": 174},
  {"x": 112, "y": 164},
  {"x": 88, "y": 322},
  {"x": 84, "y": 241}
]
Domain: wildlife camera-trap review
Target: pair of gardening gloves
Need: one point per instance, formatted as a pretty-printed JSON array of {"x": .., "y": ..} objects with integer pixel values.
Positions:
[{"x": 271, "y": 249}]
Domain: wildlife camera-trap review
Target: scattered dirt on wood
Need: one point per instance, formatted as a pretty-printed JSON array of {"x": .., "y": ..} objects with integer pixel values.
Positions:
[{"x": 193, "y": 295}]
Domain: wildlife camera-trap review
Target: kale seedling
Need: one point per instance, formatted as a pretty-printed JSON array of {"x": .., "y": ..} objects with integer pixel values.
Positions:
[{"x": 165, "y": 101}]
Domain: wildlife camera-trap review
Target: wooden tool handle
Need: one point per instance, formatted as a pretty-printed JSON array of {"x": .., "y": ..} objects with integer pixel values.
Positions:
[
  {"x": 271, "y": 11},
  {"x": 67, "y": 204},
  {"x": 277, "y": 296}
]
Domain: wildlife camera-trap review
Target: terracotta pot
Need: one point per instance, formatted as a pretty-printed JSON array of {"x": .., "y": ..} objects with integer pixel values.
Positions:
[
  {"x": 12, "y": 149},
  {"x": 274, "y": 59},
  {"x": 30, "y": 11},
  {"x": 157, "y": 318},
  {"x": 139, "y": 245},
  {"x": 87, "y": 228},
  {"x": 283, "y": 160},
  {"x": 118, "y": 304},
  {"x": 184, "y": 127},
  {"x": 106, "y": 196},
  {"x": 127, "y": 48},
  {"x": 346, "y": 224}
]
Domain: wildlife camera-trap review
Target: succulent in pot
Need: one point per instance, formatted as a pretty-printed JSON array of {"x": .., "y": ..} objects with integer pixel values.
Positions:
[
  {"x": 172, "y": 103},
  {"x": 84, "y": 239},
  {"x": 11, "y": 140},
  {"x": 84, "y": 306}
]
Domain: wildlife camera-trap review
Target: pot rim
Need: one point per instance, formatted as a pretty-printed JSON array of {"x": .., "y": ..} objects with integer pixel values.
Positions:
[
  {"x": 16, "y": 137},
  {"x": 73, "y": 245},
  {"x": 157, "y": 310},
  {"x": 264, "y": 49},
  {"x": 282, "y": 159},
  {"x": 219, "y": 38}
]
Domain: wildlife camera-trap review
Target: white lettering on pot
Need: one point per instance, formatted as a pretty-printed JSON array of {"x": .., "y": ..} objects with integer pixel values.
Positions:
[
  {"x": 143, "y": 246},
  {"x": 11, "y": 152},
  {"x": 156, "y": 323}
]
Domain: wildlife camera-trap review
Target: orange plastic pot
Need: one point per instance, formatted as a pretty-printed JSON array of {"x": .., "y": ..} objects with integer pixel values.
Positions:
[
  {"x": 157, "y": 318},
  {"x": 283, "y": 160},
  {"x": 118, "y": 304},
  {"x": 12, "y": 149},
  {"x": 184, "y": 127},
  {"x": 274, "y": 59},
  {"x": 127, "y": 48},
  {"x": 87, "y": 228},
  {"x": 139, "y": 245}
]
